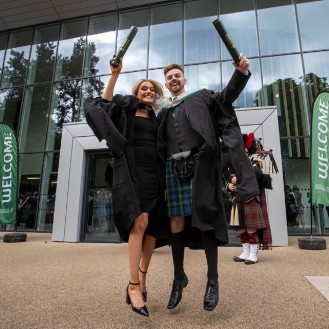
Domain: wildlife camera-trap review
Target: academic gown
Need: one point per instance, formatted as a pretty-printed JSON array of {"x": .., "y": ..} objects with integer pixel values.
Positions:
[
  {"x": 212, "y": 116},
  {"x": 114, "y": 122}
]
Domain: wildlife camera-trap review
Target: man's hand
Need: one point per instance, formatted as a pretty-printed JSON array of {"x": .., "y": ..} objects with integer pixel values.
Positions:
[{"x": 243, "y": 66}]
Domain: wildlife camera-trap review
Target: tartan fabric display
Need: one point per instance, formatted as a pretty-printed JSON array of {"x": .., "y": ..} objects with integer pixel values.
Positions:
[
  {"x": 252, "y": 215},
  {"x": 179, "y": 194},
  {"x": 255, "y": 217},
  {"x": 266, "y": 233}
]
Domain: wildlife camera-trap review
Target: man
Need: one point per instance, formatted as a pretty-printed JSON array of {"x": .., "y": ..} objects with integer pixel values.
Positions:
[{"x": 189, "y": 132}]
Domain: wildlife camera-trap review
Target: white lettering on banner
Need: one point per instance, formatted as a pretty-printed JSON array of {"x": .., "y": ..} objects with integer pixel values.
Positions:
[
  {"x": 322, "y": 138},
  {"x": 321, "y": 188},
  {"x": 7, "y": 167}
]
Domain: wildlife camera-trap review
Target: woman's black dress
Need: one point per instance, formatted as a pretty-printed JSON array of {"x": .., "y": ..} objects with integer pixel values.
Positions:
[{"x": 146, "y": 161}]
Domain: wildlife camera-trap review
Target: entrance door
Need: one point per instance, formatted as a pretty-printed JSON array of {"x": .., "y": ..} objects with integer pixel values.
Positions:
[{"x": 98, "y": 224}]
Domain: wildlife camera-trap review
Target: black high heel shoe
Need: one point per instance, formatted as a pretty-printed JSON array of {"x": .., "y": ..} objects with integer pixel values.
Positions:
[
  {"x": 140, "y": 310},
  {"x": 144, "y": 293}
]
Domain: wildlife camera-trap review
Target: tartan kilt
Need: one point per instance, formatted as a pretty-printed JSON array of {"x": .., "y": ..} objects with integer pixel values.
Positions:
[
  {"x": 179, "y": 194},
  {"x": 266, "y": 236},
  {"x": 252, "y": 215}
]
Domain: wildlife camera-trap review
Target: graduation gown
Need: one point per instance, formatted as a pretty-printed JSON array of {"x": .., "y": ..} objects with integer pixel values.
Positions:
[
  {"x": 114, "y": 122},
  {"x": 212, "y": 116}
]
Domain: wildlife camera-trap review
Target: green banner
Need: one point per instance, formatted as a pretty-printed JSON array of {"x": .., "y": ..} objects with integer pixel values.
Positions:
[
  {"x": 8, "y": 174},
  {"x": 320, "y": 151}
]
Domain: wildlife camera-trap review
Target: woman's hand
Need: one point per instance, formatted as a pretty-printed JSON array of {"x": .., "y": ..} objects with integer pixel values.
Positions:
[{"x": 114, "y": 69}]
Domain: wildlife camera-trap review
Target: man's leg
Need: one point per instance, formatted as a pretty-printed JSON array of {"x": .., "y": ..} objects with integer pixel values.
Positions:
[
  {"x": 177, "y": 249},
  {"x": 244, "y": 238},
  {"x": 211, "y": 251}
]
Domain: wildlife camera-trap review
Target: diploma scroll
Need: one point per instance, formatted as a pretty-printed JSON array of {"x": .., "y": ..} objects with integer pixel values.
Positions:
[
  {"x": 227, "y": 40},
  {"x": 124, "y": 46}
]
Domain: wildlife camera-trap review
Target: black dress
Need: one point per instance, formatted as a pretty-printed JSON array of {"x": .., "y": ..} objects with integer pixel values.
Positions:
[{"x": 146, "y": 161}]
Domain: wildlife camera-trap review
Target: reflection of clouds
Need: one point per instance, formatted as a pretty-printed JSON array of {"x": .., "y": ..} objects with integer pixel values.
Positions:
[
  {"x": 126, "y": 81},
  {"x": 268, "y": 18},
  {"x": 317, "y": 63},
  {"x": 245, "y": 19},
  {"x": 134, "y": 59},
  {"x": 282, "y": 67},
  {"x": 65, "y": 47}
]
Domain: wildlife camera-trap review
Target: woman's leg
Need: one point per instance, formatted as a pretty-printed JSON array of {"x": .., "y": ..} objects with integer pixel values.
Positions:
[
  {"x": 147, "y": 251},
  {"x": 135, "y": 245}
]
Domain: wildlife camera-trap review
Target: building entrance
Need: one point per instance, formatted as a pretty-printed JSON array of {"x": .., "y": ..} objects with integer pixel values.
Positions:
[{"x": 98, "y": 224}]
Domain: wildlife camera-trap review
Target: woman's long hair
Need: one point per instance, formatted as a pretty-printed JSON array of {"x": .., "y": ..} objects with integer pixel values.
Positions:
[{"x": 157, "y": 87}]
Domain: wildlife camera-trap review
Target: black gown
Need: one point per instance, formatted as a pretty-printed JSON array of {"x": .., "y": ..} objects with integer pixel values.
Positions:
[{"x": 138, "y": 176}]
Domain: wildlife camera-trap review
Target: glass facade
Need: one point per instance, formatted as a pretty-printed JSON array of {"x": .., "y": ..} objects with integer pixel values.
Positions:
[{"x": 47, "y": 71}]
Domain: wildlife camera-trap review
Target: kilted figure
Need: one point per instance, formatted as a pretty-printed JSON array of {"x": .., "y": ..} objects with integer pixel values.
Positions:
[
  {"x": 188, "y": 142},
  {"x": 253, "y": 227}
]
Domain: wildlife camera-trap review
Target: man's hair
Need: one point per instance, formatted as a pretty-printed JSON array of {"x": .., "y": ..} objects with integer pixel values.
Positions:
[{"x": 171, "y": 67}]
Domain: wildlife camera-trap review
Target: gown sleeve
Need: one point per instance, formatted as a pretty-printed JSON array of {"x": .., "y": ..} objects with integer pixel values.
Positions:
[{"x": 108, "y": 120}]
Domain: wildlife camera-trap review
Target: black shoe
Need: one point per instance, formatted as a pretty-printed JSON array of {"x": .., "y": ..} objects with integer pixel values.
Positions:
[
  {"x": 177, "y": 292},
  {"x": 140, "y": 310},
  {"x": 238, "y": 259},
  {"x": 211, "y": 296},
  {"x": 249, "y": 262}
]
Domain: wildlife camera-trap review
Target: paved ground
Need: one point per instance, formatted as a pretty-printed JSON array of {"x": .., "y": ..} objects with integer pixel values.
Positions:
[{"x": 47, "y": 284}]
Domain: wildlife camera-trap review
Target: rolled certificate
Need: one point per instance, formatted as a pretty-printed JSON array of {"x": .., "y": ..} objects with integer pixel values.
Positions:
[
  {"x": 227, "y": 40},
  {"x": 124, "y": 46}
]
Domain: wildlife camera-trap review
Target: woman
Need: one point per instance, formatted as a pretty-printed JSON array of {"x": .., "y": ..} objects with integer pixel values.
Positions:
[
  {"x": 129, "y": 126},
  {"x": 254, "y": 227}
]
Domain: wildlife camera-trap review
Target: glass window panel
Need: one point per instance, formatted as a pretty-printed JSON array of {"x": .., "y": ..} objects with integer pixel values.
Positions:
[
  {"x": 200, "y": 37},
  {"x": 30, "y": 166},
  {"x": 323, "y": 215},
  {"x": 158, "y": 75},
  {"x": 34, "y": 118},
  {"x": 240, "y": 22},
  {"x": 17, "y": 58},
  {"x": 203, "y": 76},
  {"x": 136, "y": 55},
  {"x": 277, "y": 27},
  {"x": 283, "y": 87},
  {"x": 3, "y": 46},
  {"x": 312, "y": 16},
  {"x": 248, "y": 96},
  {"x": 10, "y": 106},
  {"x": 43, "y": 54},
  {"x": 126, "y": 82},
  {"x": 101, "y": 44},
  {"x": 71, "y": 50},
  {"x": 166, "y": 36},
  {"x": 48, "y": 191},
  {"x": 296, "y": 171},
  {"x": 316, "y": 73},
  {"x": 64, "y": 108}
]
